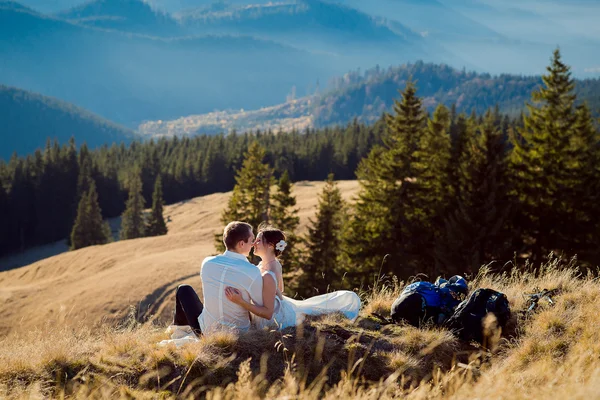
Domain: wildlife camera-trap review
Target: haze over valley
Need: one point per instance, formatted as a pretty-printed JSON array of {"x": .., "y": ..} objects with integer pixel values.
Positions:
[{"x": 133, "y": 62}]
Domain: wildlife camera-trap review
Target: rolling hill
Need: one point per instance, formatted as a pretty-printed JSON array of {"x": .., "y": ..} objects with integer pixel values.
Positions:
[
  {"x": 28, "y": 119},
  {"x": 100, "y": 283}
]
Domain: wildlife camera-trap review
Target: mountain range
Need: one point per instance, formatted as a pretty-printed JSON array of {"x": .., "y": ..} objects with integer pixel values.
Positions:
[
  {"x": 129, "y": 77},
  {"x": 134, "y": 61}
]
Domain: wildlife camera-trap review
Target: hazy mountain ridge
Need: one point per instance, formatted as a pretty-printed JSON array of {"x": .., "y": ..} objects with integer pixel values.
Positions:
[
  {"x": 429, "y": 17},
  {"x": 366, "y": 96},
  {"x": 291, "y": 17},
  {"x": 478, "y": 34},
  {"x": 130, "y": 78},
  {"x": 29, "y": 119},
  {"x": 12, "y": 5},
  {"x": 132, "y": 61},
  {"x": 316, "y": 25},
  {"x": 500, "y": 37},
  {"x": 128, "y": 15}
]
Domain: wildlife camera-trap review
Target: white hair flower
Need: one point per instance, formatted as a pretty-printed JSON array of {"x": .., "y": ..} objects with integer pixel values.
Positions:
[{"x": 281, "y": 245}]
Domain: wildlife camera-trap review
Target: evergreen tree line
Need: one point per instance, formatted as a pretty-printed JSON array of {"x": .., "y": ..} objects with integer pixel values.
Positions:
[
  {"x": 89, "y": 229},
  {"x": 40, "y": 193},
  {"x": 444, "y": 193}
]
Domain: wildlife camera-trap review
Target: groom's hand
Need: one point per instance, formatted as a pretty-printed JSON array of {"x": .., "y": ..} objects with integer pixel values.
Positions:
[{"x": 233, "y": 295}]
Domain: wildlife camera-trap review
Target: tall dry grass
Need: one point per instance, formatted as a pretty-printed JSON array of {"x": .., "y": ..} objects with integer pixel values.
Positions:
[{"x": 553, "y": 352}]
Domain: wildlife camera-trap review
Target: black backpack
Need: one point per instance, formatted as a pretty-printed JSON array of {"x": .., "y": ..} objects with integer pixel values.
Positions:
[{"x": 466, "y": 322}]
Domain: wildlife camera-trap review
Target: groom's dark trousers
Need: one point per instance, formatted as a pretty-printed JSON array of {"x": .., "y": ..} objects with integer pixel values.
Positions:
[{"x": 188, "y": 308}]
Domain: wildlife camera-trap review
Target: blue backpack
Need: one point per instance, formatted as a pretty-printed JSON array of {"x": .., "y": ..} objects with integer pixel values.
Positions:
[
  {"x": 444, "y": 295},
  {"x": 429, "y": 291}
]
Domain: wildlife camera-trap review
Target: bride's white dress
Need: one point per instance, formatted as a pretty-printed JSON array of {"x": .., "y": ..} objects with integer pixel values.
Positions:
[{"x": 289, "y": 312}]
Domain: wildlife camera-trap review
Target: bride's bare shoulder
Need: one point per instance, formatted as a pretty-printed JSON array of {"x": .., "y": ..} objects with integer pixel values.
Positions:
[{"x": 277, "y": 265}]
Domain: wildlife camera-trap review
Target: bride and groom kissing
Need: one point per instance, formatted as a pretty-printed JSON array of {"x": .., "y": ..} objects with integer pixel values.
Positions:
[{"x": 239, "y": 295}]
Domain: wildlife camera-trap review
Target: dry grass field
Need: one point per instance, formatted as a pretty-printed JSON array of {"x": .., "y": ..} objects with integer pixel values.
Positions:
[
  {"x": 551, "y": 353},
  {"x": 54, "y": 344}
]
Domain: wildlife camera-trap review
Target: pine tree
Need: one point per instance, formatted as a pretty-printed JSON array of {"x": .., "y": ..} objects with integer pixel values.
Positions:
[
  {"x": 132, "y": 221},
  {"x": 215, "y": 169},
  {"x": 156, "y": 223},
  {"x": 250, "y": 199},
  {"x": 84, "y": 180},
  {"x": 384, "y": 214},
  {"x": 584, "y": 151},
  {"x": 85, "y": 171},
  {"x": 284, "y": 216},
  {"x": 433, "y": 182},
  {"x": 324, "y": 240},
  {"x": 546, "y": 167},
  {"x": 70, "y": 172},
  {"x": 462, "y": 131},
  {"x": 88, "y": 229},
  {"x": 476, "y": 229}
]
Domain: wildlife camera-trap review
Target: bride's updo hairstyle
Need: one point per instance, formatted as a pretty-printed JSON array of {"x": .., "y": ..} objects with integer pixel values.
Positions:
[{"x": 271, "y": 236}]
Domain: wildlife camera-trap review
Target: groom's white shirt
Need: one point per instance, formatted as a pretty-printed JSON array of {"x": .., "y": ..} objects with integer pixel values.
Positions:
[{"x": 218, "y": 272}]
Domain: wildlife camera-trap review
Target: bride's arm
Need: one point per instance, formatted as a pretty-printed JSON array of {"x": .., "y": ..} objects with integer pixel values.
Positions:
[
  {"x": 282, "y": 288},
  {"x": 279, "y": 273},
  {"x": 265, "y": 311}
]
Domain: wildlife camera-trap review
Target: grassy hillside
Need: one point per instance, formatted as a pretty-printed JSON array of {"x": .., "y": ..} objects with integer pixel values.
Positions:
[
  {"x": 28, "y": 119},
  {"x": 551, "y": 353},
  {"x": 100, "y": 283},
  {"x": 86, "y": 324}
]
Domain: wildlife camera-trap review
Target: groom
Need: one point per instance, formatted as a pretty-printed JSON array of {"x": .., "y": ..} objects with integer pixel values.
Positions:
[{"x": 231, "y": 268}]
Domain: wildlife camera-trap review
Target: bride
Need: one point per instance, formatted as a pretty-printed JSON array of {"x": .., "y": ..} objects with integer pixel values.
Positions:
[{"x": 280, "y": 311}]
